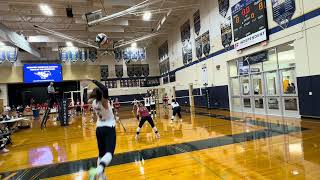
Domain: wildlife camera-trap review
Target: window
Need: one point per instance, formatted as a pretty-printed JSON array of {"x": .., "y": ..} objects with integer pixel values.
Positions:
[
  {"x": 290, "y": 104},
  {"x": 258, "y": 103},
  {"x": 257, "y": 84},
  {"x": 271, "y": 63},
  {"x": 286, "y": 56},
  {"x": 247, "y": 102},
  {"x": 233, "y": 68},
  {"x": 273, "y": 103},
  {"x": 245, "y": 86},
  {"x": 243, "y": 66},
  {"x": 235, "y": 86},
  {"x": 289, "y": 82},
  {"x": 236, "y": 103},
  {"x": 271, "y": 80}
]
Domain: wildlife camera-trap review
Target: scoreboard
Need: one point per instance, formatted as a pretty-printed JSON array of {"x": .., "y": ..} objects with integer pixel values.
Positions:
[{"x": 250, "y": 25}]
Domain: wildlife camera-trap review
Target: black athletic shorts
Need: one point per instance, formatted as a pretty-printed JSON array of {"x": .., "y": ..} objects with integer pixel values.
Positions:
[{"x": 106, "y": 139}]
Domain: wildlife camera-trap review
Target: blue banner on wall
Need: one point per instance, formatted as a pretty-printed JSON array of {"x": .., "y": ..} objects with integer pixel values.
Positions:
[
  {"x": 134, "y": 54},
  {"x": 196, "y": 22},
  {"x": 226, "y": 32},
  {"x": 163, "y": 51},
  {"x": 8, "y": 53},
  {"x": 223, "y": 7},
  {"x": 198, "y": 47},
  {"x": 74, "y": 54},
  {"x": 283, "y": 11},
  {"x": 36, "y": 73},
  {"x": 206, "y": 43}
]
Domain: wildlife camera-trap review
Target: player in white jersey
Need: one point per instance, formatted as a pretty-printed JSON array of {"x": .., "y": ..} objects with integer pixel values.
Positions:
[
  {"x": 105, "y": 131},
  {"x": 135, "y": 103},
  {"x": 147, "y": 102},
  {"x": 153, "y": 105},
  {"x": 176, "y": 110}
]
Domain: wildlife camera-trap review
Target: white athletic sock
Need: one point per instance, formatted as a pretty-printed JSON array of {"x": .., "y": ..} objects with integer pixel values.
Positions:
[
  {"x": 138, "y": 129},
  {"x": 100, "y": 169},
  {"x": 155, "y": 129},
  {"x": 106, "y": 159},
  {"x": 98, "y": 161}
]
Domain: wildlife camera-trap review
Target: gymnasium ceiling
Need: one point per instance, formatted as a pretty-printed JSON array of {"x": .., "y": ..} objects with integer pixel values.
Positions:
[{"x": 21, "y": 15}]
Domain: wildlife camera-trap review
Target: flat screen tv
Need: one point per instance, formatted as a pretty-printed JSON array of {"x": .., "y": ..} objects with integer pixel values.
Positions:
[{"x": 38, "y": 73}]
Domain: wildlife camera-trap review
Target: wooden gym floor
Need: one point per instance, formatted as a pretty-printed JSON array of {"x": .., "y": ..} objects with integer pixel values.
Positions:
[{"x": 206, "y": 145}]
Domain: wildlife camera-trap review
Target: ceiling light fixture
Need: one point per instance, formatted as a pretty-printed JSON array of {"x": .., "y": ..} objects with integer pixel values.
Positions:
[
  {"x": 46, "y": 9},
  {"x": 134, "y": 45},
  {"x": 69, "y": 44},
  {"x": 147, "y": 16}
]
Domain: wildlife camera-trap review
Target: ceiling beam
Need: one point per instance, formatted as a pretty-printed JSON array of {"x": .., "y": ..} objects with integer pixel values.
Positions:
[{"x": 17, "y": 40}]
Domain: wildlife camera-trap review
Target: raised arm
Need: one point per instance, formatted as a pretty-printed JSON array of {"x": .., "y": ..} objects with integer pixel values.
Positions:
[{"x": 103, "y": 88}]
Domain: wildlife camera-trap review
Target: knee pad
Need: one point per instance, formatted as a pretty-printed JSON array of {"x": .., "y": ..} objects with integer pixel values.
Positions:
[{"x": 106, "y": 159}]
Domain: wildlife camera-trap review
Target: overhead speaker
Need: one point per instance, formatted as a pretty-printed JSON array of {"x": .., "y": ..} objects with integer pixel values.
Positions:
[{"x": 69, "y": 12}]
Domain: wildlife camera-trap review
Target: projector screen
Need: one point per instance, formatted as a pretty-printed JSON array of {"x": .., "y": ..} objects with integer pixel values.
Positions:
[{"x": 37, "y": 73}]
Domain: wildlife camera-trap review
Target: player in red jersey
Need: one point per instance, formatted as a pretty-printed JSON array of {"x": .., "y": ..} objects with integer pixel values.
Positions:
[
  {"x": 116, "y": 105},
  {"x": 145, "y": 116},
  {"x": 165, "y": 100}
]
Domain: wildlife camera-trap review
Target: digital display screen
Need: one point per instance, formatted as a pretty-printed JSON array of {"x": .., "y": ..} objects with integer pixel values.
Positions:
[
  {"x": 250, "y": 24},
  {"x": 37, "y": 73}
]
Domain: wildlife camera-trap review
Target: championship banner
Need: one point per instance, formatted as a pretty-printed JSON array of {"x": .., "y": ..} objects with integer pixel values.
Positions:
[
  {"x": 226, "y": 32},
  {"x": 250, "y": 24},
  {"x": 163, "y": 51},
  {"x": 83, "y": 54},
  {"x": 3, "y": 56},
  {"x": 164, "y": 67},
  {"x": 130, "y": 70},
  {"x": 104, "y": 72},
  {"x": 185, "y": 31},
  {"x": 117, "y": 54},
  {"x": 119, "y": 70},
  {"x": 282, "y": 11},
  {"x": 93, "y": 54},
  {"x": 223, "y": 7},
  {"x": 145, "y": 69},
  {"x": 131, "y": 54},
  {"x": 69, "y": 54},
  {"x": 187, "y": 51},
  {"x": 186, "y": 43},
  {"x": 199, "y": 47},
  {"x": 161, "y": 68},
  {"x": 165, "y": 80},
  {"x": 137, "y": 70},
  {"x": 172, "y": 77},
  {"x": 8, "y": 53},
  {"x": 73, "y": 54},
  {"x": 206, "y": 43},
  {"x": 167, "y": 66},
  {"x": 197, "y": 22}
]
